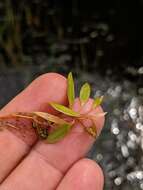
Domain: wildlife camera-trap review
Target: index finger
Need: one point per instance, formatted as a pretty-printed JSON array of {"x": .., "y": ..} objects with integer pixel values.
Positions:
[{"x": 14, "y": 145}]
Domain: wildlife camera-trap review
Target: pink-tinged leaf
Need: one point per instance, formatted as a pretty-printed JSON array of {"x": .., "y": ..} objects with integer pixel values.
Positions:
[{"x": 93, "y": 116}]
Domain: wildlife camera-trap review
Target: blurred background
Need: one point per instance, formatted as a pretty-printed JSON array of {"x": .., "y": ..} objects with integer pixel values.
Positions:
[{"x": 100, "y": 42}]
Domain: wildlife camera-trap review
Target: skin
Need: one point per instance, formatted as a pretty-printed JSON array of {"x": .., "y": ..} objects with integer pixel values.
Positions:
[{"x": 26, "y": 163}]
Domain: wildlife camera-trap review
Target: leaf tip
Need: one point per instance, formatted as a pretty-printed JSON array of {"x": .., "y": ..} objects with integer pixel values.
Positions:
[
  {"x": 97, "y": 101},
  {"x": 70, "y": 74}
]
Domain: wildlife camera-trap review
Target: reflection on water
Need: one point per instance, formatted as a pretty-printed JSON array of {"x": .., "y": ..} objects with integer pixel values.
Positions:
[{"x": 119, "y": 149}]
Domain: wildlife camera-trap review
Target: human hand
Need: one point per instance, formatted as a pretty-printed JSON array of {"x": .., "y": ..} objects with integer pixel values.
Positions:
[{"x": 27, "y": 164}]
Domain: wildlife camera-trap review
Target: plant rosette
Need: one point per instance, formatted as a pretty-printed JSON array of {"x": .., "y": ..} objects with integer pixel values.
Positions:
[{"x": 53, "y": 128}]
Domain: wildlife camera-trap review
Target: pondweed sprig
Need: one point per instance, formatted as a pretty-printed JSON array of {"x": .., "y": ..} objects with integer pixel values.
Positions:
[{"x": 57, "y": 127}]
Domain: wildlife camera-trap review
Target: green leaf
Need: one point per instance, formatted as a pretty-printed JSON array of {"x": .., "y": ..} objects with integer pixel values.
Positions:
[
  {"x": 51, "y": 118},
  {"x": 97, "y": 101},
  {"x": 71, "y": 92},
  {"x": 65, "y": 110},
  {"x": 85, "y": 93},
  {"x": 58, "y": 134}
]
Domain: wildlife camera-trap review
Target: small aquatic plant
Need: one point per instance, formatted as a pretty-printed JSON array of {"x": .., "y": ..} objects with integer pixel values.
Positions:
[{"x": 52, "y": 128}]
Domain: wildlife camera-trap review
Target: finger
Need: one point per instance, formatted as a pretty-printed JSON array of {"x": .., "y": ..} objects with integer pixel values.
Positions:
[
  {"x": 15, "y": 144},
  {"x": 47, "y": 163},
  {"x": 73, "y": 147},
  {"x": 83, "y": 175},
  {"x": 47, "y": 87}
]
